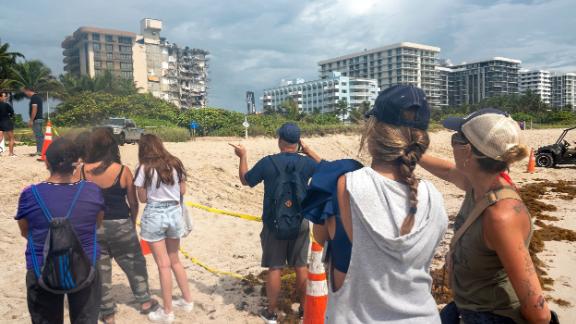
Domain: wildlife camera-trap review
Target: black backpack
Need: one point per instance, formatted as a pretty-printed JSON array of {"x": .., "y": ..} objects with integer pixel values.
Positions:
[
  {"x": 66, "y": 267},
  {"x": 287, "y": 196}
]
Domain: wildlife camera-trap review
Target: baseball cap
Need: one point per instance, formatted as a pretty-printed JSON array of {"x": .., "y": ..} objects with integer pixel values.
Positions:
[
  {"x": 393, "y": 103},
  {"x": 491, "y": 131},
  {"x": 289, "y": 132}
]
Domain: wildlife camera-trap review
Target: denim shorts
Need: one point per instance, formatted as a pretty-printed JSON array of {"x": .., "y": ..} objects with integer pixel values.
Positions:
[{"x": 162, "y": 220}]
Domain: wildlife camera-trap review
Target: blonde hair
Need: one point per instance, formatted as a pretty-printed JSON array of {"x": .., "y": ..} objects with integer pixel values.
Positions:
[
  {"x": 401, "y": 145},
  {"x": 514, "y": 154}
]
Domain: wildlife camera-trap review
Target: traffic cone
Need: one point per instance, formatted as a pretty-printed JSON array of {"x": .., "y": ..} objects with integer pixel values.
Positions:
[
  {"x": 316, "y": 289},
  {"x": 145, "y": 247},
  {"x": 531, "y": 162},
  {"x": 47, "y": 140}
]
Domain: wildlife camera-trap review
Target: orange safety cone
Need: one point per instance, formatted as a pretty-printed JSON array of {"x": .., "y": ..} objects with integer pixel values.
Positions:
[
  {"x": 145, "y": 247},
  {"x": 316, "y": 289},
  {"x": 531, "y": 162},
  {"x": 47, "y": 140}
]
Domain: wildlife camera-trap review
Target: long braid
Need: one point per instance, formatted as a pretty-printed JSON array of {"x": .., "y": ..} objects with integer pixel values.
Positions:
[{"x": 403, "y": 145}]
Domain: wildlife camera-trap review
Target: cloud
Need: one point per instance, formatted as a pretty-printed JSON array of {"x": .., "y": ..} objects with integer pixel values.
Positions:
[{"x": 255, "y": 43}]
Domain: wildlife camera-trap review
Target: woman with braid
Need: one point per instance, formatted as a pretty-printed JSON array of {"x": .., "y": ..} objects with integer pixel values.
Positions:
[{"x": 387, "y": 223}]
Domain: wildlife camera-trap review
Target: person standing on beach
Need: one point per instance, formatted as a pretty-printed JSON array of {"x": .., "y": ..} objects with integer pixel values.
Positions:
[
  {"x": 117, "y": 236},
  {"x": 277, "y": 253},
  {"x": 160, "y": 183},
  {"x": 36, "y": 121},
  {"x": 6, "y": 122},
  {"x": 491, "y": 272},
  {"x": 387, "y": 223}
]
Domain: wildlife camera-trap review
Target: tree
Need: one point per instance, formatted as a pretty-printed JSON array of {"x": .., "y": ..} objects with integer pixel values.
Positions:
[
  {"x": 342, "y": 109},
  {"x": 290, "y": 109},
  {"x": 106, "y": 82},
  {"x": 34, "y": 75},
  {"x": 7, "y": 62},
  {"x": 357, "y": 114}
]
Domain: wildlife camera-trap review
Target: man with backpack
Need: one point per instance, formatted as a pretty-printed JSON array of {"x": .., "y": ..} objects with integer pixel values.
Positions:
[{"x": 285, "y": 235}]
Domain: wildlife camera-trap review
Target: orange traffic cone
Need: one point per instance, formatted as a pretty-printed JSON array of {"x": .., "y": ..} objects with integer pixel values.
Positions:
[
  {"x": 145, "y": 247},
  {"x": 47, "y": 140},
  {"x": 316, "y": 289},
  {"x": 531, "y": 162}
]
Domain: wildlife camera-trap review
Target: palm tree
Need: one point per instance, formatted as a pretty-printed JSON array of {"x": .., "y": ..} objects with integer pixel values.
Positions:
[
  {"x": 7, "y": 61},
  {"x": 35, "y": 75}
]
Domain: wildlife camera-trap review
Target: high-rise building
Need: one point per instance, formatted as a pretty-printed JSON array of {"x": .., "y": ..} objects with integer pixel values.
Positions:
[
  {"x": 403, "y": 63},
  {"x": 322, "y": 95},
  {"x": 250, "y": 103},
  {"x": 89, "y": 51},
  {"x": 471, "y": 82},
  {"x": 537, "y": 82},
  {"x": 443, "y": 86},
  {"x": 175, "y": 74},
  {"x": 564, "y": 90}
]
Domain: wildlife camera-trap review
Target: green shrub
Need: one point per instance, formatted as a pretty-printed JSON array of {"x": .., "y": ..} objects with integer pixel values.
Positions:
[{"x": 170, "y": 134}]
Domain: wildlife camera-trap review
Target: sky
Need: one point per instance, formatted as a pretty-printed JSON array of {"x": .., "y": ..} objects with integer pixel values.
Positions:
[{"x": 255, "y": 44}]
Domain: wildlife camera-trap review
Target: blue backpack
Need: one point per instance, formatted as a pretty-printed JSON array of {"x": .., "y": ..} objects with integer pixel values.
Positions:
[
  {"x": 286, "y": 205},
  {"x": 66, "y": 267}
]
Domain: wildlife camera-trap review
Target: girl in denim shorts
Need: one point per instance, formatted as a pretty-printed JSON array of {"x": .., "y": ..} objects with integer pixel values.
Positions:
[{"x": 160, "y": 181}]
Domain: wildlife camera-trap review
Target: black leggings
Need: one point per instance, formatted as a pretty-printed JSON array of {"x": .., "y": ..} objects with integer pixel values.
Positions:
[{"x": 48, "y": 308}]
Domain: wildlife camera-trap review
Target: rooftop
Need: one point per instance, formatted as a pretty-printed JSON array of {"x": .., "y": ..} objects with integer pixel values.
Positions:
[{"x": 381, "y": 49}]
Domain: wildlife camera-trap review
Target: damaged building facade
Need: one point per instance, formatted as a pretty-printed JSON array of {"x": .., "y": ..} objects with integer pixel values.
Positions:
[{"x": 175, "y": 74}]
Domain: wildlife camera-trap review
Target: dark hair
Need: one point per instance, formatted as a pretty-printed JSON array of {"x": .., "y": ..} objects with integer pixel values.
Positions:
[
  {"x": 82, "y": 140},
  {"x": 102, "y": 147},
  {"x": 61, "y": 156},
  {"x": 488, "y": 165},
  {"x": 152, "y": 155}
]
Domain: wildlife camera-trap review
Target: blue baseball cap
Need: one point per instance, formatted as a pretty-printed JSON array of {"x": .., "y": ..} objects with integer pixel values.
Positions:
[
  {"x": 289, "y": 132},
  {"x": 455, "y": 123},
  {"x": 393, "y": 103}
]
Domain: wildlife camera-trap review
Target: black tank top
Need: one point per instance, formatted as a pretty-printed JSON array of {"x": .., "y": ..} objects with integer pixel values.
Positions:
[{"x": 114, "y": 199}]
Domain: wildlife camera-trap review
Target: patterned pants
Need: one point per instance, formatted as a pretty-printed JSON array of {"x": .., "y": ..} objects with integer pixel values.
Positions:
[{"x": 118, "y": 241}]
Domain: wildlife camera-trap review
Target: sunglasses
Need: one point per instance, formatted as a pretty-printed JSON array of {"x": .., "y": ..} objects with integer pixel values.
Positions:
[{"x": 459, "y": 139}]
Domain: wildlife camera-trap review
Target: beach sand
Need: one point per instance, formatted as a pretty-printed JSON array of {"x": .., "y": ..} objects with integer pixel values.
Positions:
[{"x": 232, "y": 244}]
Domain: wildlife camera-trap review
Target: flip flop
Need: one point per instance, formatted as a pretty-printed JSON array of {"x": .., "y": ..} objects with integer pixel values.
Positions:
[{"x": 153, "y": 306}]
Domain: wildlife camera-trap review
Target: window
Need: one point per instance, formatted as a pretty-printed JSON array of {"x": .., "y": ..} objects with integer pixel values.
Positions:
[
  {"x": 109, "y": 56},
  {"x": 125, "y": 40},
  {"x": 96, "y": 37},
  {"x": 97, "y": 64},
  {"x": 125, "y": 57},
  {"x": 110, "y": 65},
  {"x": 109, "y": 38},
  {"x": 96, "y": 47},
  {"x": 109, "y": 48},
  {"x": 125, "y": 66},
  {"x": 125, "y": 49}
]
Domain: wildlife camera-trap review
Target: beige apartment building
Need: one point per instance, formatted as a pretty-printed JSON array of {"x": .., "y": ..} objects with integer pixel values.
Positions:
[{"x": 90, "y": 51}]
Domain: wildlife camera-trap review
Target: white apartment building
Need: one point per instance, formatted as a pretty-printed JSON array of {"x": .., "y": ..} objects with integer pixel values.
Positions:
[
  {"x": 322, "y": 95},
  {"x": 402, "y": 63},
  {"x": 537, "y": 81},
  {"x": 564, "y": 90}
]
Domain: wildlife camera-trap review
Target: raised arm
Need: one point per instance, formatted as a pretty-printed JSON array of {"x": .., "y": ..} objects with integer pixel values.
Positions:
[
  {"x": 310, "y": 152},
  {"x": 505, "y": 227},
  {"x": 240, "y": 151},
  {"x": 445, "y": 170}
]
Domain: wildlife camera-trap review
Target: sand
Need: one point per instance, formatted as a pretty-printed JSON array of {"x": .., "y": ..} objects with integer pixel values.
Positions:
[{"x": 232, "y": 244}]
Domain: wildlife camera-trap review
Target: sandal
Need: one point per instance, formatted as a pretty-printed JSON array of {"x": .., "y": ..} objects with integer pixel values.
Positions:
[{"x": 153, "y": 306}]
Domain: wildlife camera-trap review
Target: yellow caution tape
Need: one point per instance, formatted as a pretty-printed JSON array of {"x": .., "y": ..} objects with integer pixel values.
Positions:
[
  {"x": 210, "y": 269},
  {"x": 55, "y": 132},
  {"x": 224, "y": 212}
]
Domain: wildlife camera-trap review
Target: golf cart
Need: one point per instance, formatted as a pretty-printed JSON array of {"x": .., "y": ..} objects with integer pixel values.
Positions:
[{"x": 558, "y": 153}]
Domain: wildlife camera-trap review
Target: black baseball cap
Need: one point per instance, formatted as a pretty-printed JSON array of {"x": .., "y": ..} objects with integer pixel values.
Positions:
[
  {"x": 392, "y": 103},
  {"x": 289, "y": 132},
  {"x": 455, "y": 123}
]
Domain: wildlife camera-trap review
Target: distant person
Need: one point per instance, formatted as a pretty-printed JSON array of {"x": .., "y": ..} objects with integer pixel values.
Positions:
[
  {"x": 491, "y": 272},
  {"x": 117, "y": 236},
  {"x": 160, "y": 182},
  {"x": 36, "y": 121},
  {"x": 58, "y": 194},
  {"x": 387, "y": 222},
  {"x": 277, "y": 251},
  {"x": 7, "y": 123}
]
